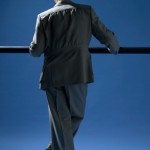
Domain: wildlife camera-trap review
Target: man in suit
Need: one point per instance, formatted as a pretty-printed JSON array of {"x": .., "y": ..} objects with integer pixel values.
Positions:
[{"x": 62, "y": 34}]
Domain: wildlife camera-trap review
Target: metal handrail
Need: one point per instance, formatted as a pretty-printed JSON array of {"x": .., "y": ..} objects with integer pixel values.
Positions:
[{"x": 93, "y": 50}]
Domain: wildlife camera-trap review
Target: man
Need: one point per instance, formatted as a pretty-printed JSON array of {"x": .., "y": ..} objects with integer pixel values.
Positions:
[{"x": 63, "y": 34}]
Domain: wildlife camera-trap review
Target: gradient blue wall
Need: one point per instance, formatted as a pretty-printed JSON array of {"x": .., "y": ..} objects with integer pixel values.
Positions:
[{"x": 118, "y": 102}]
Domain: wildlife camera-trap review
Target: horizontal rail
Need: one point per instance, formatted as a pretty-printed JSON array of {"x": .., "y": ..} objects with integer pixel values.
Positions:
[{"x": 94, "y": 50}]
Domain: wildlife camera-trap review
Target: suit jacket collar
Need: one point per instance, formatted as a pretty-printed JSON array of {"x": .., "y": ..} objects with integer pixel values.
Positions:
[{"x": 64, "y": 2}]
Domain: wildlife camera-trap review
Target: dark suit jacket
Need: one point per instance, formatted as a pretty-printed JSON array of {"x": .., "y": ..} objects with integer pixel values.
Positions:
[{"x": 63, "y": 34}]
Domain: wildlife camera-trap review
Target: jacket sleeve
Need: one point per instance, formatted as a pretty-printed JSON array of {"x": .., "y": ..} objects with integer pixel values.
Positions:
[
  {"x": 103, "y": 34},
  {"x": 37, "y": 45}
]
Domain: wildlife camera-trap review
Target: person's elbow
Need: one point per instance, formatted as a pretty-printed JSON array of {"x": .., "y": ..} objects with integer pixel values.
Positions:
[
  {"x": 34, "y": 50},
  {"x": 114, "y": 49},
  {"x": 113, "y": 45}
]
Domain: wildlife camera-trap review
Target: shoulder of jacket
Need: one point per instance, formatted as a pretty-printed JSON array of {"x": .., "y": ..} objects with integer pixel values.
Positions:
[
  {"x": 51, "y": 10},
  {"x": 45, "y": 13},
  {"x": 54, "y": 10},
  {"x": 83, "y": 6}
]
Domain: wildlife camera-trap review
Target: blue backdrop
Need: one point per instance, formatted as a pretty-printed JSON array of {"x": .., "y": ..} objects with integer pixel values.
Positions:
[{"x": 118, "y": 102}]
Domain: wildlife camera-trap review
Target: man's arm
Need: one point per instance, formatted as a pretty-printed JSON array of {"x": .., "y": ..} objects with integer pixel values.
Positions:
[
  {"x": 37, "y": 45},
  {"x": 103, "y": 34}
]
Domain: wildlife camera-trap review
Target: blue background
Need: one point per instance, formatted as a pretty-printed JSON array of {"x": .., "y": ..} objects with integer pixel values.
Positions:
[{"x": 118, "y": 103}]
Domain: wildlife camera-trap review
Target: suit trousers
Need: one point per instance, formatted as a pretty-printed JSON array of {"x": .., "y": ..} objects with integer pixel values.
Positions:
[{"x": 66, "y": 111}]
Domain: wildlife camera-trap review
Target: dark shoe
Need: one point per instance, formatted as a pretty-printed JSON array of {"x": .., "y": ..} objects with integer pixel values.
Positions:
[{"x": 49, "y": 147}]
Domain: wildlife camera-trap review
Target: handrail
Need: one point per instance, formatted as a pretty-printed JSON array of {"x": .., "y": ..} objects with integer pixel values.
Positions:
[{"x": 94, "y": 50}]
